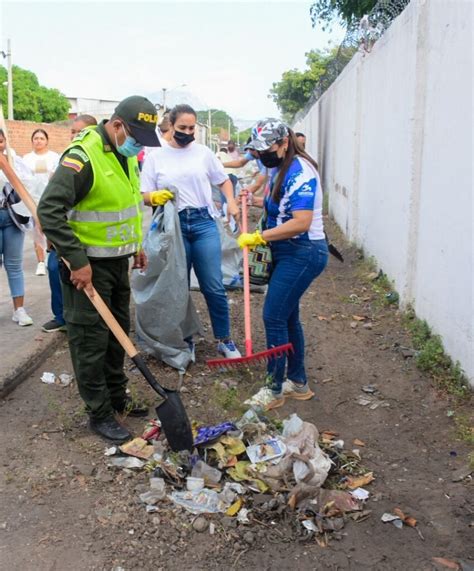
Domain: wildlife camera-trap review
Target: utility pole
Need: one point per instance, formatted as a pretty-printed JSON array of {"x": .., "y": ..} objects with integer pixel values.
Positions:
[
  {"x": 10, "y": 80},
  {"x": 164, "y": 99},
  {"x": 209, "y": 122},
  {"x": 228, "y": 129},
  {"x": 8, "y": 55}
]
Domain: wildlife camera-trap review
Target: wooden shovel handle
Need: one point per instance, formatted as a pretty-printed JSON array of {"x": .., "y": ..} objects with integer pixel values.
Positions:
[
  {"x": 6, "y": 166},
  {"x": 112, "y": 323},
  {"x": 114, "y": 326}
]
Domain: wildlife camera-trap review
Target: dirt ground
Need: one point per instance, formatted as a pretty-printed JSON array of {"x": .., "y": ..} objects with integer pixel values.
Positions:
[{"x": 63, "y": 508}]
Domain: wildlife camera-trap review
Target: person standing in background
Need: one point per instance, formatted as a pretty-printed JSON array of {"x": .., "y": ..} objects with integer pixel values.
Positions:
[
  {"x": 12, "y": 236},
  {"x": 232, "y": 151},
  {"x": 58, "y": 323},
  {"x": 42, "y": 162}
]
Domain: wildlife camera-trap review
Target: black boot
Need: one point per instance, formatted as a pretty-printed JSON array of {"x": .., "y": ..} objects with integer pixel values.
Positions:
[
  {"x": 110, "y": 429},
  {"x": 131, "y": 408}
]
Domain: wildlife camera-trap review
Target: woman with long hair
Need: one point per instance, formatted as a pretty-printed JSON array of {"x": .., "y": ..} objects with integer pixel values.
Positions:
[
  {"x": 42, "y": 162},
  {"x": 12, "y": 237},
  {"x": 293, "y": 228},
  {"x": 193, "y": 169}
]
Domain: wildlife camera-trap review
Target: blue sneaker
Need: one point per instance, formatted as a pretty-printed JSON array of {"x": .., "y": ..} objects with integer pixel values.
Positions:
[{"x": 228, "y": 349}]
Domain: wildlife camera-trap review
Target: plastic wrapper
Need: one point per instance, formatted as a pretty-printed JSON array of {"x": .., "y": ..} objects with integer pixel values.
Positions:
[
  {"x": 165, "y": 314},
  {"x": 201, "y": 501}
]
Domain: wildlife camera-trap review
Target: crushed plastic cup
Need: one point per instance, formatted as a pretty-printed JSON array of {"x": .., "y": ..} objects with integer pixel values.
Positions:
[
  {"x": 48, "y": 378},
  {"x": 260, "y": 399},
  {"x": 65, "y": 379},
  {"x": 194, "y": 484},
  {"x": 152, "y": 497},
  {"x": 211, "y": 475},
  {"x": 127, "y": 462},
  {"x": 157, "y": 484},
  {"x": 360, "y": 494}
]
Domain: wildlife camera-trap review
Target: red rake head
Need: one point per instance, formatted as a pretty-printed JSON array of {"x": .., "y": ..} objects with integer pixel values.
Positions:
[{"x": 262, "y": 357}]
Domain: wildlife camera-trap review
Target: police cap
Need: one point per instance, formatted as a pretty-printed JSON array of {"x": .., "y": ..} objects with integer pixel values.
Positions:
[{"x": 140, "y": 115}]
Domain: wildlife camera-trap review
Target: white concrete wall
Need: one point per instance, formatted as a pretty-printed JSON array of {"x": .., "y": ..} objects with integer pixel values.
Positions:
[{"x": 393, "y": 136}]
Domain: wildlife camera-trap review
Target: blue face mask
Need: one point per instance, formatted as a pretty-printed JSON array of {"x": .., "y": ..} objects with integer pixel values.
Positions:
[{"x": 130, "y": 147}]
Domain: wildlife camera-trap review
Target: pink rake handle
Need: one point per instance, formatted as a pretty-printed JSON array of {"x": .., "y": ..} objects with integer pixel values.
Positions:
[{"x": 247, "y": 321}]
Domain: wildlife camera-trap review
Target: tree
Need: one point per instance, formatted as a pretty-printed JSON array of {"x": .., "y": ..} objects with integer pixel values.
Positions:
[
  {"x": 32, "y": 101},
  {"x": 219, "y": 120},
  {"x": 244, "y": 135},
  {"x": 295, "y": 87},
  {"x": 344, "y": 11}
]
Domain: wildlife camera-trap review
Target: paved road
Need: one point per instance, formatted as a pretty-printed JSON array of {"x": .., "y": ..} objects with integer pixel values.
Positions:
[{"x": 22, "y": 348}]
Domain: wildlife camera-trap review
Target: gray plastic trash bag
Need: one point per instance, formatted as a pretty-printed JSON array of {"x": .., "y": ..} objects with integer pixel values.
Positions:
[{"x": 165, "y": 314}]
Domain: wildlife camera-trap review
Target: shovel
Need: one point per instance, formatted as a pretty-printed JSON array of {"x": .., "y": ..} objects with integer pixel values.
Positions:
[{"x": 171, "y": 411}]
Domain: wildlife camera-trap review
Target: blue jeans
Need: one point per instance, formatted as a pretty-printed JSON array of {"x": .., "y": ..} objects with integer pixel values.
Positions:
[
  {"x": 11, "y": 253},
  {"x": 296, "y": 263},
  {"x": 203, "y": 252},
  {"x": 55, "y": 287}
]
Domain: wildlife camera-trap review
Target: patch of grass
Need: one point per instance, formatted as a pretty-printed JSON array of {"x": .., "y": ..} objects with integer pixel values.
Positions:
[
  {"x": 229, "y": 400},
  {"x": 325, "y": 203},
  {"x": 465, "y": 431},
  {"x": 379, "y": 282},
  {"x": 432, "y": 359}
]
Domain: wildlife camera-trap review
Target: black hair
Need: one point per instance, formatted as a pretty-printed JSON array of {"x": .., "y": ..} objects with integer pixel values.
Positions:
[
  {"x": 181, "y": 110},
  {"x": 2, "y": 133},
  {"x": 300, "y": 135},
  {"x": 294, "y": 149},
  {"x": 87, "y": 119},
  {"x": 39, "y": 131}
]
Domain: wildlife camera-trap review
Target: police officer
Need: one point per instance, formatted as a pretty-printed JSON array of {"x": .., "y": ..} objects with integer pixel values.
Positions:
[{"x": 91, "y": 212}]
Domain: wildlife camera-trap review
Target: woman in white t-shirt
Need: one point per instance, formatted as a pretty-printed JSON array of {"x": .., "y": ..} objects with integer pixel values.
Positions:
[
  {"x": 193, "y": 169},
  {"x": 42, "y": 162}
]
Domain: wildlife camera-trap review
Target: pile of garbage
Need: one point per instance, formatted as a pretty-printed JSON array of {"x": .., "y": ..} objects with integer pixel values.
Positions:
[{"x": 256, "y": 470}]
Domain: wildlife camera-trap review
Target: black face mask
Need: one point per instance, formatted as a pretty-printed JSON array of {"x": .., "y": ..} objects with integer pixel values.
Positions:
[
  {"x": 270, "y": 159},
  {"x": 183, "y": 139}
]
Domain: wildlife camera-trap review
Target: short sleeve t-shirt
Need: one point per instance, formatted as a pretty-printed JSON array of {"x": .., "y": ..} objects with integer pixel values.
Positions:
[
  {"x": 192, "y": 170},
  {"x": 42, "y": 164},
  {"x": 301, "y": 190}
]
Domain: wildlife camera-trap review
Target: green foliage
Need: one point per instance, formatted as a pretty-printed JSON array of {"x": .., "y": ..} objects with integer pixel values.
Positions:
[
  {"x": 296, "y": 87},
  {"x": 32, "y": 101},
  {"x": 326, "y": 12},
  {"x": 464, "y": 430},
  {"x": 244, "y": 135},
  {"x": 432, "y": 359},
  {"x": 219, "y": 120}
]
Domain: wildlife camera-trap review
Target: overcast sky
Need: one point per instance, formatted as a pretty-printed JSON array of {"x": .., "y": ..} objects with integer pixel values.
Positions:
[{"x": 227, "y": 53}]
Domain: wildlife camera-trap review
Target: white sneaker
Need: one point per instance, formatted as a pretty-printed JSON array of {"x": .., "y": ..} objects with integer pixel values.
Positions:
[
  {"x": 40, "y": 269},
  {"x": 228, "y": 349},
  {"x": 21, "y": 317}
]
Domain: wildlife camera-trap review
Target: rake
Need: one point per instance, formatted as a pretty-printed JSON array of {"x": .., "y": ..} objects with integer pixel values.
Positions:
[{"x": 250, "y": 356}]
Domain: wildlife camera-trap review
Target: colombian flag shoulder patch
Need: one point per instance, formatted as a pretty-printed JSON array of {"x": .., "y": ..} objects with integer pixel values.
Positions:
[{"x": 72, "y": 163}]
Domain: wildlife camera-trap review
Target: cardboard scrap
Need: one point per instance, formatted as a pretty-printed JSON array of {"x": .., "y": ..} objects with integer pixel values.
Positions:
[{"x": 138, "y": 447}]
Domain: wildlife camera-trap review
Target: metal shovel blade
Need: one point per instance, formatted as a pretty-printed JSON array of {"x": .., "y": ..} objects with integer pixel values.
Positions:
[{"x": 175, "y": 422}]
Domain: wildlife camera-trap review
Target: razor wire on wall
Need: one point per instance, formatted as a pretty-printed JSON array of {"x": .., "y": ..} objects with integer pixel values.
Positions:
[{"x": 360, "y": 36}]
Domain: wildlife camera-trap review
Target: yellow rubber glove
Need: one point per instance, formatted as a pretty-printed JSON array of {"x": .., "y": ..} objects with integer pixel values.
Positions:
[
  {"x": 250, "y": 240},
  {"x": 160, "y": 197}
]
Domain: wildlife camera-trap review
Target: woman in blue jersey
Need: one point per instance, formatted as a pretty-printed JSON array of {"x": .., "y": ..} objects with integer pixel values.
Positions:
[{"x": 294, "y": 230}]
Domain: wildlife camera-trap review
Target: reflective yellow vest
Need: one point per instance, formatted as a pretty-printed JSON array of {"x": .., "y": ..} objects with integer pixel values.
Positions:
[{"x": 108, "y": 221}]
